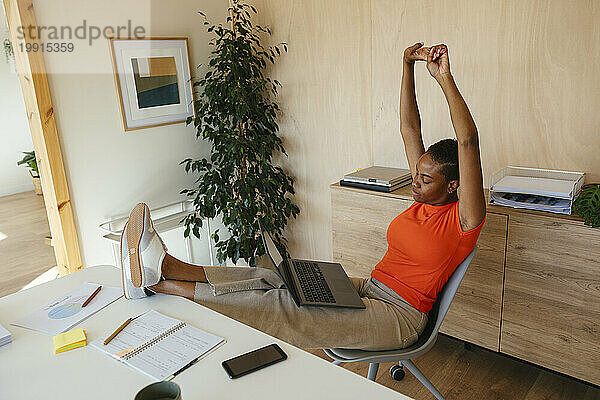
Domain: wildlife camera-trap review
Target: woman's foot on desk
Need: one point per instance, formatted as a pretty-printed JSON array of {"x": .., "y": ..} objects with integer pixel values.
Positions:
[
  {"x": 145, "y": 262},
  {"x": 129, "y": 290},
  {"x": 142, "y": 252}
]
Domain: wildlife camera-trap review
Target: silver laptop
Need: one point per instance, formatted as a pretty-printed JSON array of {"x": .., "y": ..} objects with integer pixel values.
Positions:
[
  {"x": 313, "y": 283},
  {"x": 384, "y": 176}
]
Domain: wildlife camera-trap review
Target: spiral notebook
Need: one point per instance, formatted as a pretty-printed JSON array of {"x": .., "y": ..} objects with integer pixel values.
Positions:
[{"x": 159, "y": 346}]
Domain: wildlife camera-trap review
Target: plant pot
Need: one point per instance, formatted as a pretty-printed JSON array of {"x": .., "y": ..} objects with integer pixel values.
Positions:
[{"x": 37, "y": 184}]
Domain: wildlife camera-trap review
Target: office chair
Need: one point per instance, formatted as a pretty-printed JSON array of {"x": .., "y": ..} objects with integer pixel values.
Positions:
[{"x": 425, "y": 342}]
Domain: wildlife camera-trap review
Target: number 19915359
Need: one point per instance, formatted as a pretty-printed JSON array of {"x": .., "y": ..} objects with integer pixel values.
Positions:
[{"x": 47, "y": 47}]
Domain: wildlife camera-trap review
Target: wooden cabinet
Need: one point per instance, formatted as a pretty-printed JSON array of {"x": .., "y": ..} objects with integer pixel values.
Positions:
[
  {"x": 475, "y": 312},
  {"x": 551, "y": 314},
  {"x": 532, "y": 290},
  {"x": 359, "y": 225}
]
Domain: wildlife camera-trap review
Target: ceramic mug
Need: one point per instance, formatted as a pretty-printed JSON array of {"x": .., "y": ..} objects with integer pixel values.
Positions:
[{"x": 160, "y": 391}]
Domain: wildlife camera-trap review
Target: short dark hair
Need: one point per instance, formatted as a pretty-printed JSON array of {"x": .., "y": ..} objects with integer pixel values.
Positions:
[{"x": 445, "y": 153}]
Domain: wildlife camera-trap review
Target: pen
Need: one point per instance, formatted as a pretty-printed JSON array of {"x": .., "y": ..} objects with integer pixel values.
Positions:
[
  {"x": 119, "y": 329},
  {"x": 194, "y": 361},
  {"x": 85, "y": 303}
]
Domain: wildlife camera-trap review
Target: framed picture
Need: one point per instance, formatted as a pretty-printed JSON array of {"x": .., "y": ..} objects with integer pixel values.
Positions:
[{"x": 153, "y": 81}]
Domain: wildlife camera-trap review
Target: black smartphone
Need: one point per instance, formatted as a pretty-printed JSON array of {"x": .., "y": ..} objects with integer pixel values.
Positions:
[{"x": 253, "y": 361}]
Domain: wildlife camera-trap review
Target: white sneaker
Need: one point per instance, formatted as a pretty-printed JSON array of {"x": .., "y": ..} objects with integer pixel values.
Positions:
[
  {"x": 129, "y": 291},
  {"x": 142, "y": 250}
]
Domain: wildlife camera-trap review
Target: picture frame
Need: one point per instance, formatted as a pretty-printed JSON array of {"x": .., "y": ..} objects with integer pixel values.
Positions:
[{"x": 153, "y": 81}]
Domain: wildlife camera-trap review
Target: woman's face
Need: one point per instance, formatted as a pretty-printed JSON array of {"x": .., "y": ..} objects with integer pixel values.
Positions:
[{"x": 430, "y": 185}]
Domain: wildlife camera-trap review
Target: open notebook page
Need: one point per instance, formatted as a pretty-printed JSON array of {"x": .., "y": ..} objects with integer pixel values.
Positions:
[
  {"x": 138, "y": 332},
  {"x": 173, "y": 352},
  {"x": 160, "y": 358}
]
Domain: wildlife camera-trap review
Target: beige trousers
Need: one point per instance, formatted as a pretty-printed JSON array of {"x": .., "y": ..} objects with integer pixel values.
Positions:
[{"x": 257, "y": 297}]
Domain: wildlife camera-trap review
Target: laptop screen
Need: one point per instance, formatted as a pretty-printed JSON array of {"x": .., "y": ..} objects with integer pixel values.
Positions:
[{"x": 272, "y": 251}]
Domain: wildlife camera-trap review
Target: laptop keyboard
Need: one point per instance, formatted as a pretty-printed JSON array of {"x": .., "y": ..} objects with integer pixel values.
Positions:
[{"x": 313, "y": 284}]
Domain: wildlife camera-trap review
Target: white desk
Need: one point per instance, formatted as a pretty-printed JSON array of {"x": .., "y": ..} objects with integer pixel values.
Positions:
[{"x": 29, "y": 369}]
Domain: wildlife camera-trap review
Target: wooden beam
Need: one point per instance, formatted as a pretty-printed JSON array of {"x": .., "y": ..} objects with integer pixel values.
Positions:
[{"x": 40, "y": 113}]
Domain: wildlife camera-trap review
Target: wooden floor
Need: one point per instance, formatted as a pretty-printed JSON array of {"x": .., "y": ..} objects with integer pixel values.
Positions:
[
  {"x": 24, "y": 255},
  {"x": 478, "y": 374}
]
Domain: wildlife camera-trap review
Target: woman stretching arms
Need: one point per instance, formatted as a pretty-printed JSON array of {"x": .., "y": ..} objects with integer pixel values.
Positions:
[{"x": 425, "y": 245}]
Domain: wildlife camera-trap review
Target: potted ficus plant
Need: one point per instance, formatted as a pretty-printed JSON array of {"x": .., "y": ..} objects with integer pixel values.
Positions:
[
  {"x": 236, "y": 113},
  {"x": 587, "y": 205},
  {"x": 31, "y": 163},
  {"x": 8, "y": 50}
]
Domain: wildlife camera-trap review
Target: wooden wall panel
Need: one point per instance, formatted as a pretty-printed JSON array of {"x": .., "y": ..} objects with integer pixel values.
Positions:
[
  {"x": 551, "y": 313},
  {"x": 325, "y": 121},
  {"x": 477, "y": 307},
  {"x": 524, "y": 68}
]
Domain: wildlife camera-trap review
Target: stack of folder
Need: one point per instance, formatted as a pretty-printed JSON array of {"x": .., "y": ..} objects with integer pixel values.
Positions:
[
  {"x": 536, "y": 189},
  {"x": 69, "y": 340},
  {"x": 5, "y": 337},
  {"x": 381, "y": 179}
]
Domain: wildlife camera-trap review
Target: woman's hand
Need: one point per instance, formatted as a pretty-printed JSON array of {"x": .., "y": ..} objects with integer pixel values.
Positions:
[
  {"x": 415, "y": 53},
  {"x": 438, "y": 63}
]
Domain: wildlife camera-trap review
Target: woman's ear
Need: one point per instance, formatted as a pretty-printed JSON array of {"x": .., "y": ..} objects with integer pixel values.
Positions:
[{"x": 452, "y": 186}]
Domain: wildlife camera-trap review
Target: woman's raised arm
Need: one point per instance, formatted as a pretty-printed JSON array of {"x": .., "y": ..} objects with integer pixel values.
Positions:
[
  {"x": 410, "y": 121},
  {"x": 471, "y": 202}
]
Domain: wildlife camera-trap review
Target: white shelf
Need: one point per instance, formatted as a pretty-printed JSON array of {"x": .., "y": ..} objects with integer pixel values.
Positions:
[{"x": 161, "y": 225}]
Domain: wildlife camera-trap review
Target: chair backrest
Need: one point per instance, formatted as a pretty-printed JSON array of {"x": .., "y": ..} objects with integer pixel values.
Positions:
[
  {"x": 443, "y": 302},
  {"x": 447, "y": 294}
]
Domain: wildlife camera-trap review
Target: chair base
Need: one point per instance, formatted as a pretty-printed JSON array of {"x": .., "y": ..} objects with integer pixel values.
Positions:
[
  {"x": 372, "y": 374},
  {"x": 397, "y": 372},
  {"x": 424, "y": 343},
  {"x": 419, "y": 375}
]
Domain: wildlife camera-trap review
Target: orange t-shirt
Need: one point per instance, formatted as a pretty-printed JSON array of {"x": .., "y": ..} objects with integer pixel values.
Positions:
[{"x": 425, "y": 245}]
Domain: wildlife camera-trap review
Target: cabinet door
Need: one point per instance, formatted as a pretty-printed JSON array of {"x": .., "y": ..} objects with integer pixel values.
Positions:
[
  {"x": 477, "y": 306},
  {"x": 359, "y": 224},
  {"x": 551, "y": 313}
]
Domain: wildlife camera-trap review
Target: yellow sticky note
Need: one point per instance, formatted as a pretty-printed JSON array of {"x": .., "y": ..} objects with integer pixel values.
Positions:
[{"x": 69, "y": 340}]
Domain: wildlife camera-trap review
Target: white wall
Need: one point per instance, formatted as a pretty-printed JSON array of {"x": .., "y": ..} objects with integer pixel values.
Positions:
[
  {"x": 14, "y": 129},
  {"x": 108, "y": 170}
]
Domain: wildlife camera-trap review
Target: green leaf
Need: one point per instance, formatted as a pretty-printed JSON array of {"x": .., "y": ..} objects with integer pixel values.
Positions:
[{"x": 587, "y": 205}]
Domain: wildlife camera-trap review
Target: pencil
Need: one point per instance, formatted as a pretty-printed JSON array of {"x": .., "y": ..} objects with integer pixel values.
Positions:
[
  {"x": 119, "y": 329},
  {"x": 85, "y": 303}
]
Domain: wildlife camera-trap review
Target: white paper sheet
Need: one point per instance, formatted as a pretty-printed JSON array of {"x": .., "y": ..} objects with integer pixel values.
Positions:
[
  {"x": 531, "y": 202},
  {"x": 64, "y": 312},
  {"x": 5, "y": 337}
]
